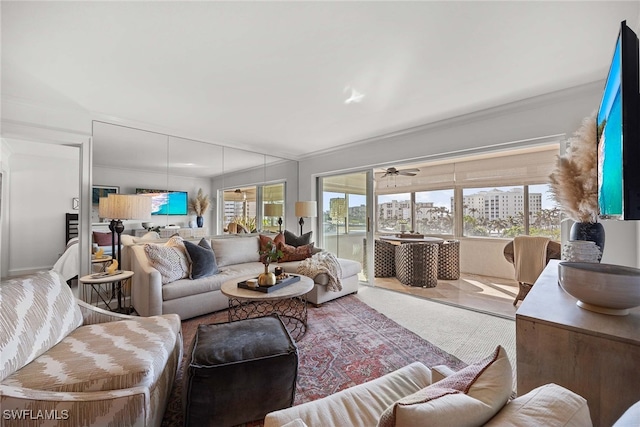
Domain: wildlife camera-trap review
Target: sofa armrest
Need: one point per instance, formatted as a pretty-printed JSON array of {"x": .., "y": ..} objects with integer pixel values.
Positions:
[
  {"x": 92, "y": 315},
  {"x": 146, "y": 285},
  {"x": 440, "y": 372},
  {"x": 130, "y": 405}
]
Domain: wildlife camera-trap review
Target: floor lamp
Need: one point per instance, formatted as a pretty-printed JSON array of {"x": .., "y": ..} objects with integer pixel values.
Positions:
[
  {"x": 274, "y": 210},
  {"x": 118, "y": 207},
  {"x": 306, "y": 210}
]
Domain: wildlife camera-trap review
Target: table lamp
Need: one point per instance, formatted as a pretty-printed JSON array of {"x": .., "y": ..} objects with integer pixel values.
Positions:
[
  {"x": 117, "y": 207},
  {"x": 273, "y": 210},
  {"x": 306, "y": 210}
]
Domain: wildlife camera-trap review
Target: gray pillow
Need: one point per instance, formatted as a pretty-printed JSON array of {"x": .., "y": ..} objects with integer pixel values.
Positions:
[
  {"x": 293, "y": 240},
  {"x": 203, "y": 260}
]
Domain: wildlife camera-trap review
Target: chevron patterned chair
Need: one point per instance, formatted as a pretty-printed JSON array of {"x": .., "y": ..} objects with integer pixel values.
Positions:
[{"x": 79, "y": 365}]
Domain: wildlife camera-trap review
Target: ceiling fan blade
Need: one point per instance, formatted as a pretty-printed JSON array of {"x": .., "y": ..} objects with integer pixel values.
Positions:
[
  {"x": 410, "y": 170},
  {"x": 405, "y": 173}
]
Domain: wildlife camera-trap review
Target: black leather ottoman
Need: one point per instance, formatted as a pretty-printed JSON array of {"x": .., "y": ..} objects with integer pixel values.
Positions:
[{"x": 238, "y": 372}]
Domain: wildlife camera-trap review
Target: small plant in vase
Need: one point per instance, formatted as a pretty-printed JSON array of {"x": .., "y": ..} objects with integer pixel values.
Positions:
[
  {"x": 269, "y": 254},
  {"x": 199, "y": 206}
]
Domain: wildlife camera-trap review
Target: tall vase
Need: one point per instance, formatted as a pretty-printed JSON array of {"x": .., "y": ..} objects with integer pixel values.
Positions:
[
  {"x": 590, "y": 231},
  {"x": 199, "y": 221}
]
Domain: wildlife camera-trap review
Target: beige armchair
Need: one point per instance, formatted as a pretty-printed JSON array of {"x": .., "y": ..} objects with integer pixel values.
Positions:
[{"x": 529, "y": 260}]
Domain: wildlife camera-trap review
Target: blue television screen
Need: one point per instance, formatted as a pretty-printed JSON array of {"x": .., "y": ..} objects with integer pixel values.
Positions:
[
  {"x": 618, "y": 138},
  {"x": 167, "y": 203},
  {"x": 610, "y": 198}
]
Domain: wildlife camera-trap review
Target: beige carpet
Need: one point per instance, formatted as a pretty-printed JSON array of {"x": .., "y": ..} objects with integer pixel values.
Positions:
[{"x": 466, "y": 334}]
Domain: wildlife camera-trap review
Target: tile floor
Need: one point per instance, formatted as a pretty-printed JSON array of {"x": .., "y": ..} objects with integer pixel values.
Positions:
[{"x": 482, "y": 293}]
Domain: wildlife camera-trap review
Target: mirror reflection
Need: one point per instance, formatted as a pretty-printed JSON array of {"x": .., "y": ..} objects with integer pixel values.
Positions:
[{"x": 174, "y": 170}]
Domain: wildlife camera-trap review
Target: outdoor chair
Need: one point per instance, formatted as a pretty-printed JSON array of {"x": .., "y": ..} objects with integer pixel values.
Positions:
[{"x": 417, "y": 264}]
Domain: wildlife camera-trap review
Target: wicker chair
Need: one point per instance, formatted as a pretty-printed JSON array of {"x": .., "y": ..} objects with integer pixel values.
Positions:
[
  {"x": 449, "y": 260},
  {"x": 417, "y": 264},
  {"x": 384, "y": 259}
]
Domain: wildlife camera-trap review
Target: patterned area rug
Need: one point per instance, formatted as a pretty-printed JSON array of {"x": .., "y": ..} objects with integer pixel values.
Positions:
[{"x": 347, "y": 343}]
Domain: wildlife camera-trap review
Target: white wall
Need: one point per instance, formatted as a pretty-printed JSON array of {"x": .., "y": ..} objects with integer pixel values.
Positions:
[{"x": 41, "y": 192}]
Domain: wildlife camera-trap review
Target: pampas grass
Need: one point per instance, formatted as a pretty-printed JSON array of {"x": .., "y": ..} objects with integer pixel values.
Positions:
[
  {"x": 200, "y": 203},
  {"x": 574, "y": 181}
]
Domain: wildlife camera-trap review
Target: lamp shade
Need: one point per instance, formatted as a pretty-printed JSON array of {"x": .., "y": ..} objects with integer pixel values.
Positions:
[
  {"x": 272, "y": 209},
  {"x": 125, "y": 206},
  {"x": 306, "y": 209}
]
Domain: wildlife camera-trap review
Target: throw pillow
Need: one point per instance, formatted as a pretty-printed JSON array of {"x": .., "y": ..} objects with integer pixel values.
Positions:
[
  {"x": 202, "y": 258},
  {"x": 293, "y": 240},
  {"x": 279, "y": 238},
  {"x": 236, "y": 250},
  {"x": 170, "y": 260},
  {"x": 471, "y": 396},
  {"x": 102, "y": 239},
  {"x": 293, "y": 253}
]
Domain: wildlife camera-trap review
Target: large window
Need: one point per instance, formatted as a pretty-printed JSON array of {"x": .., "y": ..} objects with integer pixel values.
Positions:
[
  {"x": 500, "y": 211},
  {"x": 434, "y": 212},
  {"x": 501, "y": 195},
  {"x": 250, "y": 205},
  {"x": 395, "y": 212}
]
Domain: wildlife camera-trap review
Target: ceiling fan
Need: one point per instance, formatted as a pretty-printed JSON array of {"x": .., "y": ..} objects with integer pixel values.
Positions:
[{"x": 395, "y": 172}]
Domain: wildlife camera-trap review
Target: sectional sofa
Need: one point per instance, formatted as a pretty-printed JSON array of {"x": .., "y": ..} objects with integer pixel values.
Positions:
[{"x": 236, "y": 257}]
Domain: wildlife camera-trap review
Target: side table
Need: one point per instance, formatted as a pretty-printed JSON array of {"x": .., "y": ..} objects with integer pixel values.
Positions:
[{"x": 101, "y": 292}]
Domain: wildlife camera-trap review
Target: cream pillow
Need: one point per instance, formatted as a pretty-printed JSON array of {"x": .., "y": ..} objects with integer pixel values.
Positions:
[
  {"x": 236, "y": 250},
  {"x": 169, "y": 259},
  {"x": 470, "y": 397}
]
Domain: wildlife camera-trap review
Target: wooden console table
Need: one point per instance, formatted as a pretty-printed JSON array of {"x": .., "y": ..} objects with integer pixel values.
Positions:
[{"x": 594, "y": 355}]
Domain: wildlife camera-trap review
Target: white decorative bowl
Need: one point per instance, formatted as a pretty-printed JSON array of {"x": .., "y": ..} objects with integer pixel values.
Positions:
[{"x": 603, "y": 288}]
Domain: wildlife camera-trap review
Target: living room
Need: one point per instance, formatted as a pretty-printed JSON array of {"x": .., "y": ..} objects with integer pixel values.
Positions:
[{"x": 54, "y": 97}]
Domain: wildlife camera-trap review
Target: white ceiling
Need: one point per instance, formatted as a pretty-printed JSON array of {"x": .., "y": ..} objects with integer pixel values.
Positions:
[{"x": 274, "y": 76}]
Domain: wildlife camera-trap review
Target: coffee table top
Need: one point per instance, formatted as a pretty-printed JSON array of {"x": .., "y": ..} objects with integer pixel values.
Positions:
[{"x": 301, "y": 287}]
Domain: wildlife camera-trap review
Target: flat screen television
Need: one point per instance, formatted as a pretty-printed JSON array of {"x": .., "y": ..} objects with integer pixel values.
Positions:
[
  {"x": 167, "y": 202},
  {"x": 618, "y": 133}
]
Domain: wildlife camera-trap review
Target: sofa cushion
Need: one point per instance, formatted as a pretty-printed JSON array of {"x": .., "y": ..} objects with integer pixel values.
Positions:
[
  {"x": 359, "y": 405},
  {"x": 104, "y": 356},
  {"x": 264, "y": 240},
  {"x": 293, "y": 253},
  {"x": 547, "y": 405},
  {"x": 169, "y": 259},
  {"x": 37, "y": 312},
  {"x": 201, "y": 258},
  {"x": 293, "y": 240},
  {"x": 186, "y": 287},
  {"x": 469, "y": 397},
  {"x": 103, "y": 239},
  {"x": 236, "y": 250}
]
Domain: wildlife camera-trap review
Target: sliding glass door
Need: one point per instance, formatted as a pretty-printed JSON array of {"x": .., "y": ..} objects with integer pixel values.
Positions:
[{"x": 345, "y": 225}]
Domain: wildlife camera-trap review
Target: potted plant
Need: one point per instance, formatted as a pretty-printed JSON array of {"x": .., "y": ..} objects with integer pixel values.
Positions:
[
  {"x": 269, "y": 254},
  {"x": 199, "y": 205},
  {"x": 574, "y": 183}
]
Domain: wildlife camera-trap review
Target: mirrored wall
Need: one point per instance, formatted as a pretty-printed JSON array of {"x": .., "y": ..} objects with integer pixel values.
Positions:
[{"x": 129, "y": 161}]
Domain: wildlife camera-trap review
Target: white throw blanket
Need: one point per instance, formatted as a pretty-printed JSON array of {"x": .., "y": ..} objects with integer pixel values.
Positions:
[{"x": 323, "y": 262}]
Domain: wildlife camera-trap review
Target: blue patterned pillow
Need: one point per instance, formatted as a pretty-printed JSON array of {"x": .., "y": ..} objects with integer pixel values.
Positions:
[{"x": 203, "y": 260}]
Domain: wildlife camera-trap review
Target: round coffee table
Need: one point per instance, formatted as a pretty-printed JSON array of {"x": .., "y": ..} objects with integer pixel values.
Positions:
[{"x": 290, "y": 302}]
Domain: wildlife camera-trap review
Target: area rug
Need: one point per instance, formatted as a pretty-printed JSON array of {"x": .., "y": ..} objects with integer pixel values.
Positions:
[{"x": 347, "y": 343}]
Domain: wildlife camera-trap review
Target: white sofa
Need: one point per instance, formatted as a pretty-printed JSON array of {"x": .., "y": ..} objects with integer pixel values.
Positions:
[
  {"x": 416, "y": 395},
  {"x": 237, "y": 256}
]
